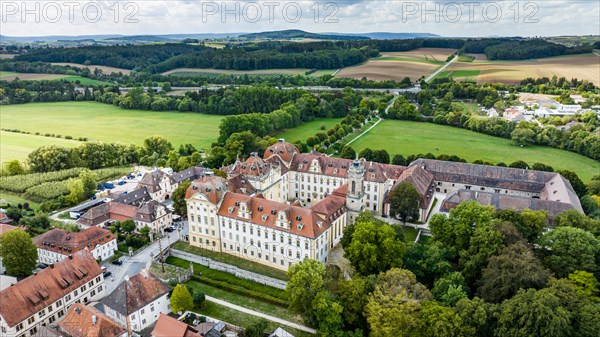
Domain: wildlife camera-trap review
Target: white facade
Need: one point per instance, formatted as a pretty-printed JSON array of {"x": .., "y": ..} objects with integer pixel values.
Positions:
[
  {"x": 100, "y": 252},
  {"x": 144, "y": 317},
  {"x": 89, "y": 292}
]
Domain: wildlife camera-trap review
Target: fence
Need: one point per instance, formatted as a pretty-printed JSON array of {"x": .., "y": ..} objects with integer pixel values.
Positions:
[{"x": 241, "y": 273}]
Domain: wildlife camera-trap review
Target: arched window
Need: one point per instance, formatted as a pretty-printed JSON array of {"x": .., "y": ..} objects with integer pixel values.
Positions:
[{"x": 353, "y": 186}]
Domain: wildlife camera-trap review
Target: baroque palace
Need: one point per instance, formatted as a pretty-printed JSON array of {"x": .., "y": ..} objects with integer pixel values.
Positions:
[{"x": 287, "y": 206}]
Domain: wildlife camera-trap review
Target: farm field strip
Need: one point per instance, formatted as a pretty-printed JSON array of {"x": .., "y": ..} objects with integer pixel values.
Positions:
[
  {"x": 260, "y": 72},
  {"x": 406, "y": 138},
  {"x": 105, "y": 69},
  {"x": 19, "y": 145}
]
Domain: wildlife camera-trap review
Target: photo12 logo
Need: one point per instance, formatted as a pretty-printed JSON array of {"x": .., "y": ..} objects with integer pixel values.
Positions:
[
  {"x": 269, "y": 11},
  {"x": 68, "y": 11},
  {"x": 471, "y": 12}
]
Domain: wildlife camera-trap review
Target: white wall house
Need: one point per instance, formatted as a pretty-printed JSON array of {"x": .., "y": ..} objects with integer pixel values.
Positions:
[{"x": 57, "y": 244}]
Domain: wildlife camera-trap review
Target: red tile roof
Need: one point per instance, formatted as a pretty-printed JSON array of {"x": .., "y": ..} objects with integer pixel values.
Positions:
[
  {"x": 6, "y": 228},
  {"x": 64, "y": 242},
  {"x": 136, "y": 292},
  {"x": 302, "y": 221},
  {"x": 282, "y": 149},
  {"x": 37, "y": 291},
  {"x": 83, "y": 321},
  {"x": 167, "y": 326}
]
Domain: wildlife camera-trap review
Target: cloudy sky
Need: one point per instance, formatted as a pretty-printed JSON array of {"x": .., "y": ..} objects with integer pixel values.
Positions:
[{"x": 447, "y": 18}]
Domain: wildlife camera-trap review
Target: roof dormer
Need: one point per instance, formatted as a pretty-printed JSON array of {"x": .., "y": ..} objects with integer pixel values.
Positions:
[{"x": 282, "y": 220}]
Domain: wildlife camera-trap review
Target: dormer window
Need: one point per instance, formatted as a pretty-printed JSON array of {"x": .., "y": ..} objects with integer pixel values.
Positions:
[
  {"x": 264, "y": 217},
  {"x": 231, "y": 208},
  {"x": 300, "y": 225},
  {"x": 320, "y": 224}
]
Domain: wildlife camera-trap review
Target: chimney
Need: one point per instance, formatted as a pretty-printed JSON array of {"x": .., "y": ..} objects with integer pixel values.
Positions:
[
  {"x": 94, "y": 319},
  {"x": 51, "y": 265},
  {"x": 254, "y": 154},
  {"x": 70, "y": 256},
  {"x": 282, "y": 140},
  {"x": 78, "y": 311}
]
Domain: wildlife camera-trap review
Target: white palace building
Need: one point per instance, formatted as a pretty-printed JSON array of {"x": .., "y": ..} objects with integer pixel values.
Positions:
[{"x": 287, "y": 206}]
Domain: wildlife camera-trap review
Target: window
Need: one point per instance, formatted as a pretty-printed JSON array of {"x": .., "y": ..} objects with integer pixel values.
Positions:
[
  {"x": 75, "y": 293},
  {"x": 61, "y": 313},
  {"x": 144, "y": 321},
  {"x": 42, "y": 313},
  {"x": 30, "y": 320},
  {"x": 152, "y": 308},
  {"x": 142, "y": 311},
  {"x": 93, "y": 293},
  {"x": 99, "y": 288}
]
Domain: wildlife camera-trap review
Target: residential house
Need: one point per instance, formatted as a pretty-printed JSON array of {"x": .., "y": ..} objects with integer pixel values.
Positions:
[
  {"x": 87, "y": 321},
  {"x": 138, "y": 301},
  {"x": 44, "y": 297},
  {"x": 56, "y": 244},
  {"x": 151, "y": 213},
  {"x": 167, "y": 326}
]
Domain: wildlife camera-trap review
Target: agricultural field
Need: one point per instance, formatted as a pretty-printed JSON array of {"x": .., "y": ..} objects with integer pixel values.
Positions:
[
  {"x": 406, "y": 138},
  {"x": 262, "y": 72},
  {"x": 7, "y": 56},
  {"x": 582, "y": 67},
  {"x": 308, "y": 129},
  {"x": 106, "y": 123},
  {"x": 11, "y": 76},
  {"x": 398, "y": 65},
  {"x": 19, "y": 145},
  {"x": 105, "y": 69}
]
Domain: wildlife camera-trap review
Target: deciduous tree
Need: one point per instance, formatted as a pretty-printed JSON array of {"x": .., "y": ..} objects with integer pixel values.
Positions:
[
  {"x": 404, "y": 202},
  {"x": 181, "y": 299},
  {"x": 374, "y": 248},
  {"x": 18, "y": 253},
  {"x": 305, "y": 282}
]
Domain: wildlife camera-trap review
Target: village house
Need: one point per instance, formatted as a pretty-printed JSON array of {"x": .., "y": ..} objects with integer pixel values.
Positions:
[
  {"x": 57, "y": 244},
  {"x": 44, "y": 297},
  {"x": 138, "y": 301},
  {"x": 87, "y": 321},
  {"x": 151, "y": 213}
]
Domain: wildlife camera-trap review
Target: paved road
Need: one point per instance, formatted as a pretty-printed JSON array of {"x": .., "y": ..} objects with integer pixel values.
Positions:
[
  {"x": 134, "y": 264},
  {"x": 442, "y": 68},
  {"x": 374, "y": 125},
  {"x": 260, "y": 314}
]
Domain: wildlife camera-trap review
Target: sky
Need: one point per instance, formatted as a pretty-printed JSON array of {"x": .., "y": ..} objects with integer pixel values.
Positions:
[{"x": 447, "y": 18}]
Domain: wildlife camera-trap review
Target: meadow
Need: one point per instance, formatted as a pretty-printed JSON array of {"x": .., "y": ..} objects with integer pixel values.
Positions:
[
  {"x": 582, "y": 67},
  {"x": 19, "y": 145},
  {"x": 308, "y": 129},
  {"x": 398, "y": 65},
  {"x": 105, "y": 69},
  {"x": 405, "y": 137},
  {"x": 102, "y": 122},
  {"x": 11, "y": 76}
]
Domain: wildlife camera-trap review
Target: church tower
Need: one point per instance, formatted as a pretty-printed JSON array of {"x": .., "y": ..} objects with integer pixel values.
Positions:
[{"x": 356, "y": 193}]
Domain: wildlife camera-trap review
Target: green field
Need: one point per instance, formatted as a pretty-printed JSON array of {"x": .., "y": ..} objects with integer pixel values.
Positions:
[
  {"x": 84, "y": 80},
  {"x": 308, "y": 129},
  {"x": 405, "y": 137},
  {"x": 462, "y": 75},
  {"x": 409, "y": 59},
  {"x": 102, "y": 122},
  {"x": 15, "y": 200},
  {"x": 10, "y": 75},
  {"x": 19, "y": 145}
]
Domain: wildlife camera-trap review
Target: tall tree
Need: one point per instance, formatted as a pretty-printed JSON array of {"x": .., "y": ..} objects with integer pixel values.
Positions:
[
  {"x": 404, "y": 202},
  {"x": 450, "y": 289},
  {"x": 435, "y": 320},
  {"x": 515, "y": 268},
  {"x": 18, "y": 253},
  {"x": 181, "y": 299},
  {"x": 533, "y": 313},
  {"x": 374, "y": 248},
  {"x": 566, "y": 249},
  {"x": 178, "y": 197},
  {"x": 305, "y": 282}
]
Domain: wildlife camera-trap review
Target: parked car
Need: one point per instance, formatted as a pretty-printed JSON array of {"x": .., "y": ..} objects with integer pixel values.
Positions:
[
  {"x": 103, "y": 268},
  {"x": 108, "y": 185},
  {"x": 107, "y": 274},
  {"x": 168, "y": 229},
  {"x": 42, "y": 266},
  {"x": 117, "y": 262},
  {"x": 122, "y": 182}
]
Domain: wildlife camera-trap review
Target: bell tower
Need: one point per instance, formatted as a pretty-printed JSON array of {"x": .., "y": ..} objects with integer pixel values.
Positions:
[{"x": 356, "y": 193}]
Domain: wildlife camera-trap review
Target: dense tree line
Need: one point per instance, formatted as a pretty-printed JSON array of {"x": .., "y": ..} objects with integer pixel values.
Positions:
[{"x": 520, "y": 49}]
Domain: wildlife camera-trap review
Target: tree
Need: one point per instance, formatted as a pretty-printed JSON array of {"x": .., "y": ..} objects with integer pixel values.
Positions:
[
  {"x": 586, "y": 284},
  {"x": 181, "y": 299},
  {"x": 435, "y": 320},
  {"x": 486, "y": 242},
  {"x": 522, "y": 136},
  {"x": 197, "y": 296},
  {"x": 256, "y": 329},
  {"x": 374, "y": 248},
  {"x": 533, "y": 313},
  {"x": 145, "y": 231},
  {"x": 158, "y": 145},
  {"x": 404, "y": 202},
  {"x": 178, "y": 197},
  {"x": 348, "y": 153},
  {"x": 14, "y": 167},
  {"x": 567, "y": 249},
  {"x": 393, "y": 306},
  {"x": 477, "y": 315},
  {"x": 519, "y": 164},
  {"x": 515, "y": 268},
  {"x": 18, "y": 253},
  {"x": 128, "y": 226},
  {"x": 428, "y": 262},
  {"x": 328, "y": 313},
  {"x": 353, "y": 294},
  {"x": 76, "y": 191},
  {"x": 399, "y": 160},
  {"x": 88, "y": 181},
  {"x": 450, "y": 289},
  {"x": 305, "y": 282}
]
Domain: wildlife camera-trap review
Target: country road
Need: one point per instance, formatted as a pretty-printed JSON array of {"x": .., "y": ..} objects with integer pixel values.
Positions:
[
  {"x": 374, "y": 125},
  {"x": 442, "y": 68}
]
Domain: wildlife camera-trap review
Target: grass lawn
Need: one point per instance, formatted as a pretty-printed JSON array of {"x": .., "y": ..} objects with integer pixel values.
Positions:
[
  {"x": 19, "y": 145},
  {"x": 410, "y": 234},
  {"x": 108, "y": 123},
  {"x": 15, "y": 200},
  {"x": 241, "y": 319},
  {"x": 233, "y": 260},
  {"x": 308, "y": 129},
  {"x": 85, "y": 80},
  {"x": 247, "y": 302},
  {"x": 405, "y": 137}
]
